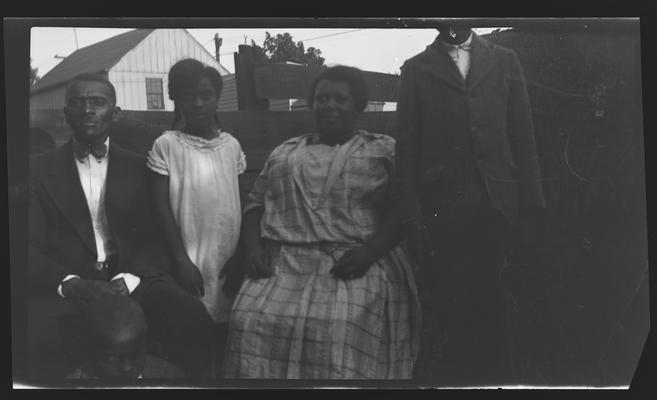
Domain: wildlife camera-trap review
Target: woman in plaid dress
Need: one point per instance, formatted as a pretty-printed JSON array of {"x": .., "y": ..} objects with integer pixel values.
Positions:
[{"x": 330, "y": 295}]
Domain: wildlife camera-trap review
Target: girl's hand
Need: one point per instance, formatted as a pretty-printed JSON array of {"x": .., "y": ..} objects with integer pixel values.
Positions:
[
  {"x": 233, "y": 272},
  {"x": 190, "y": 277},
  {"x": 353, "y": 264},
  {"x": 257, "y": 264}
]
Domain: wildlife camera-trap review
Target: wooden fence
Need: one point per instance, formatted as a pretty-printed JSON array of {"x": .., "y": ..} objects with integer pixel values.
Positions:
[{"x": 257, "y": 129}]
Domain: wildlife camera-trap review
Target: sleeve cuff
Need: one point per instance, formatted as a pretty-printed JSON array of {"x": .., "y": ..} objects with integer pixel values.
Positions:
[
  {"x": 59, "y": 288},
  {"x": 131, "y": 281},
  {"x": 156, "y": 164},
  {"x": 241, "y": 164}
]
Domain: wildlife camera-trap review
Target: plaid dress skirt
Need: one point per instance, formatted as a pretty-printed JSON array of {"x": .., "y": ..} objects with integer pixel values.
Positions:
[{"x": 302, "y": 323}]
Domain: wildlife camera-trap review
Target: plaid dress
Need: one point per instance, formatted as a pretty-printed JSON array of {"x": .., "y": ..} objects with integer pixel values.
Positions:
[{"x": 302, "y": 323}]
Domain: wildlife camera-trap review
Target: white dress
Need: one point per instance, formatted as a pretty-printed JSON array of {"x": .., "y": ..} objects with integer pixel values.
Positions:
[{"x": 204, "y": 198}]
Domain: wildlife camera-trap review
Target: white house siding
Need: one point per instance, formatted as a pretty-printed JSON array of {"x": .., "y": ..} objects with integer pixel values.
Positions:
[
  {"x": 52, "y": 99},
  {"x": 153, "y": 58}
]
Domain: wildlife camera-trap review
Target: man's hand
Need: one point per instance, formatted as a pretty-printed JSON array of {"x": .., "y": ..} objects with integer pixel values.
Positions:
[
  {"x": 119, "y": 287},
  {"x": 190, "y": 277},
  {"x": 353, "y": 264},
  {"x": 86, "y": 290},
  {"x": 257, "y": 264}
]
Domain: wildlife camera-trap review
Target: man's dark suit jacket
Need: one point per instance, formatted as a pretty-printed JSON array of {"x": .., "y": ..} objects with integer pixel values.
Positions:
[
  {"x": 439, "y": 113},
  {"x": 61, "y": 238}
]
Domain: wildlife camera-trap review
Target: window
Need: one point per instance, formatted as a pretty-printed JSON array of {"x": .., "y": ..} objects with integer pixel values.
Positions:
[{"x": 154, "y": 94}]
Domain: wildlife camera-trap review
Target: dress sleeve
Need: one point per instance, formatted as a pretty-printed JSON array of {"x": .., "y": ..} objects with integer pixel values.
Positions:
[
  {"x": 241, "y": 160},
  {"x": 157, "y": 157}
]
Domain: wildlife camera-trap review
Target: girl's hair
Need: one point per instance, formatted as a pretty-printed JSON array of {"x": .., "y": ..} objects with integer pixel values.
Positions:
[
  {"x": 352, "y": 76},
  {"x": 186, "y": 73}
]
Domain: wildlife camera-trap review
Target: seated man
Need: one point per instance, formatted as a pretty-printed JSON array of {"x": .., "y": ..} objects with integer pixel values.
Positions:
[
  {"x": 91, "y": 233},
  {"x": 115, "y": 329}
]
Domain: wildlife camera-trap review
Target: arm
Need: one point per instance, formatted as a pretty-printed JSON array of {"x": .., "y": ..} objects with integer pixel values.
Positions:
[
  {"x": 525, "y": 155},
  {"x": 522, "y": 140},
  {"x": 44, "y": 273},
  {"x": 356, "y": 262},
  {"x": 407, "y": 153},
  {"x": 256, "y": 263},
  {"x": 189, "y": 274},
  {"x": 407, "y": 149}
]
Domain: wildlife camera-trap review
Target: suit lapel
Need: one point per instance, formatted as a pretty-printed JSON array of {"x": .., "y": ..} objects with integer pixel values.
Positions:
[
  {"x": 480, "y": 61},
  {"x": 63, "y": 186},
  {"x": 441, "y": 65},
  {"x": 121, "y": 184}
]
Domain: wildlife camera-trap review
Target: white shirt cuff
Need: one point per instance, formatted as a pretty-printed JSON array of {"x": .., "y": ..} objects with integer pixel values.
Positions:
[
  {"x": 59, "y": 288},
  {"x": 131, "y": 281}
]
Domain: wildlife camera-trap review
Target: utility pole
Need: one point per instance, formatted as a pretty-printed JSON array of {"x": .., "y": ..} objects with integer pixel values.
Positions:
[
  {"x": 217, "y": 46},
  {"x": 75, "y": 33}
]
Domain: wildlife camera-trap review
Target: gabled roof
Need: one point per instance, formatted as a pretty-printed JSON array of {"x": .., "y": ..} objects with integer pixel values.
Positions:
[{"x": 98, "y": 57}]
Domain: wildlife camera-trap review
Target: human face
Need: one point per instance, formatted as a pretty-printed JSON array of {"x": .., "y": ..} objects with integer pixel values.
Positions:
[
  {"x": 121, "y": 360},
  {"x": 90, "y": 110},
  {"x": 335, "y": 112},
  {"x": 198, "y": 107}
]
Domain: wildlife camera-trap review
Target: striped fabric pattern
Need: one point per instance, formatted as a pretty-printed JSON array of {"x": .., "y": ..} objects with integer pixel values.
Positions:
[{"x": 302, "y": 323}]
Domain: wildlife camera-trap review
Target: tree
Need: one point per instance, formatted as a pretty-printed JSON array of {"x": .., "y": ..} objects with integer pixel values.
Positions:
[
  {"x": 282, "y": 48},
  {"x": 33, "y": 74}
]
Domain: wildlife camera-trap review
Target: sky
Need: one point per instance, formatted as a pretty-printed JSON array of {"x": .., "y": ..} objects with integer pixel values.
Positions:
[{"x": 378, "y": 50}]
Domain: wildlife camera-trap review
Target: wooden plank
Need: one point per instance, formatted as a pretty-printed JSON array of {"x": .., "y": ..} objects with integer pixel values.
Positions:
[
  {"x": 287, "y": 81},
  {"x": 259, "y": 132}
]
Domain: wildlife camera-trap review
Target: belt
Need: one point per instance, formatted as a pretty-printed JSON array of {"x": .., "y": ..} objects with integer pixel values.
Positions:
[{"x": 102, "y": 266}]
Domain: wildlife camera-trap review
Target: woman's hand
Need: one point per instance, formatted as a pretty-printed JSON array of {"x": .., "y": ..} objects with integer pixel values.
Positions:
[
  {"x": 257, "y": 264},
  {"x": 190, "y": 277},
  {"x": 354, "y": 263}
]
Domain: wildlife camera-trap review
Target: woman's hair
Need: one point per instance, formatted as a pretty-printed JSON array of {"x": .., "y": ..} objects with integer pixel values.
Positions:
[
  {"x": 186, "y": 73},
  {"x": 353, "y": 77}
]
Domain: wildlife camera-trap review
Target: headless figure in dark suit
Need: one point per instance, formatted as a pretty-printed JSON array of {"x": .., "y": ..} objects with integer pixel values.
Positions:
[
  {"x": 91, "y": 233},
  {"x": 465, "y": 144}
]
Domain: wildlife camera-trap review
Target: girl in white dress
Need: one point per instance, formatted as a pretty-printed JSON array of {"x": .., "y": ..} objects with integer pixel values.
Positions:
[{"x": 195, "y": 186}]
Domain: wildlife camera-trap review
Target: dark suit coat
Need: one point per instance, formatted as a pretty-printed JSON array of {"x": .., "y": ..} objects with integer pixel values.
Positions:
[
  {"x": 61, "y": 238},
  {"x": 439, "y": 112}
]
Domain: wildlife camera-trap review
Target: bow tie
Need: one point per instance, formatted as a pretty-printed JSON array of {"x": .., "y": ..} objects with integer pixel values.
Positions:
[
  {"x": 462, "y": 46},
  {"x": 82, "y": 150}
]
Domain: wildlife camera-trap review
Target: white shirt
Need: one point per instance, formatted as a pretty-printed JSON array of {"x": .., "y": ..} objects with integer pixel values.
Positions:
[
  {"x": 460, "y": 56},
  {"x": 93, "y": 174}
]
